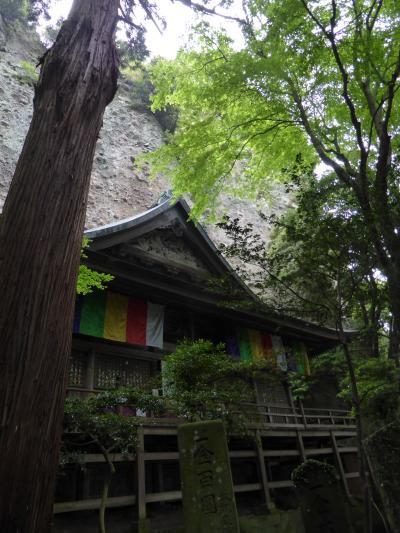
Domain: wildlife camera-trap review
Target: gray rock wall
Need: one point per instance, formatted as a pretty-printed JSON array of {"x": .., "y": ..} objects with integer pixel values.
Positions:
[{"x": 117, "y": 189}]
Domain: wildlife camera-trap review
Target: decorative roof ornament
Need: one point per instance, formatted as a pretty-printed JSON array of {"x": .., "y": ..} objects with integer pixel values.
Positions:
[{"x": 164, "y": 196}]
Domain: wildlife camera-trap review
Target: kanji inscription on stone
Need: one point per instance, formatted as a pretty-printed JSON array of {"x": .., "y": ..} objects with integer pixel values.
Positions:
[{"x": 207, "y": 488}]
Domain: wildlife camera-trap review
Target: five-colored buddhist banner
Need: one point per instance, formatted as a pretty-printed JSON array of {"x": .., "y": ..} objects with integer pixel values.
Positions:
[
  {"x": 251, "y": 344},
  {"x": 118, "y": 317}
]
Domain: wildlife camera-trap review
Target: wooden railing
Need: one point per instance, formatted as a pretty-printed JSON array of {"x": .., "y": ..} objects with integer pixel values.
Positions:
[
  {"x": 335, "y": 441},
  {"x": 278, "y": 415},
  {"x": 273, "y": 414}
]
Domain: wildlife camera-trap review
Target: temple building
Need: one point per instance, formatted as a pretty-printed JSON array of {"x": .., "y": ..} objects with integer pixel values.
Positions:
[{"x": 162, "y": 263}]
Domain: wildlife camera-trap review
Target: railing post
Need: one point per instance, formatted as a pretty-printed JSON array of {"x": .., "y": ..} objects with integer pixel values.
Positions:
[
  {"x": 301, "y": 446},
  {"x": 340, "y": 465},
  {"x": 141, "y": 476},
  {"x": 291, "y": 402},
  {"x": 263, "y": 471},
  {"x": 303, "y": 416},
  {"x": 89, "y": 381}
]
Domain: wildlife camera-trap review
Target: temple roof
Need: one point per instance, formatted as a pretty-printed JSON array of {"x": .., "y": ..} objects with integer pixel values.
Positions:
[{"x": 166, "y": 253}]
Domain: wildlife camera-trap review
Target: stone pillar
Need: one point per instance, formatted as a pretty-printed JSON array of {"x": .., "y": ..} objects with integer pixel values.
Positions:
[
  {"x": 321, "y": 498},
  {"x": 207, "y": 488}
]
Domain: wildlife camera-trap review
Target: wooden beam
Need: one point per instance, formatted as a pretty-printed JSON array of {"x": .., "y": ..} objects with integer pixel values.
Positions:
[
  {"x": 99, "y": 458},
  {"x": 163, "y": 496},
  {"x": 318, "y": 451},
  {"x": 280, "y": 484},
  {"x": 159, "y": 430},
  {"x": 88, "y": 505},
  {"x": 352, "y": 475},
  {"x": 248, "y": 487},
  {"x": 339, "y": 464},
  {"x": 161, "y": 456},
  {"x": 261, "y": 466},
  {"x": 242, "y": 454},
  {"x": 300, "y": 444},
  {"x": 141, "y": 476},
  {"x": 281, "y": 453},
  {"x": 347, "y": 449}
]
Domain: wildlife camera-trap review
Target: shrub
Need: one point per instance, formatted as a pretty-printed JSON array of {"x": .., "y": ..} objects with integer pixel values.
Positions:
[
  {"x": 28, "y": 73},
  {"x": 203, "y": 383}
]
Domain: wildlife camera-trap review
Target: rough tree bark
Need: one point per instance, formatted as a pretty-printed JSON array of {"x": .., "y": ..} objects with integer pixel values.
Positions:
[
  {"x": 106, "y": 487},
  {"x": 40, "y": 239}
]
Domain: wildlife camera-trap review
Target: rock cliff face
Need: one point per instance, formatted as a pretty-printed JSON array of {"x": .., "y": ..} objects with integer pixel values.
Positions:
[{"x": 117, "y": 189}]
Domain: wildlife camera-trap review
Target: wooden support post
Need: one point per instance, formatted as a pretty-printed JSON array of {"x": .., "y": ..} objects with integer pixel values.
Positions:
[
  {"x": 89, "y": 381},
  {"x": 291, "y": 402},
  {"x": 340, "y": 465},
  {"x": 160, "y": 477},
  {"x": 303, "y": 415},
  {"x": 262, "y": 469},
  {"x": 141, "y": 476},
  {"x": 301, "y": 446}
]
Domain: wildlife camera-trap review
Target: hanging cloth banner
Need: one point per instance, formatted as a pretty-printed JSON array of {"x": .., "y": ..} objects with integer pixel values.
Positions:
[
  {"x": 279, "y": 352},
  {"x": 300, "y": 359},
  {"x": 251, "y": 344},
  {"x": 117, "y": 317}
]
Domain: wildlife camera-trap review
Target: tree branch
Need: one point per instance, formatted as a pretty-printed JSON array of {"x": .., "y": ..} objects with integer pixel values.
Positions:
[
  {"x": 330, "y": 36},
  {"x": 207, "y": 11}
]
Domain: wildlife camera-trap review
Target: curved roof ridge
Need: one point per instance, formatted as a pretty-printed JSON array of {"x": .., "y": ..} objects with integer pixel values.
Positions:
[{"x": 126, "y": 223}]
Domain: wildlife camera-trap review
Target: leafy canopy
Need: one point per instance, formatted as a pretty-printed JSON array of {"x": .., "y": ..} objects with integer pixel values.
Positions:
[{"x": 315, "y": 77}]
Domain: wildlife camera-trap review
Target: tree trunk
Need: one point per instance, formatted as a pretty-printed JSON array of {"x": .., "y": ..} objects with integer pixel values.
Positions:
[
  {"x": 383, "y": 449},
  {"x": 363, "y": 467},
  {"x": 40, "y": 239},
  {"x": 394, "y": 305},
  {"x": 106, "y": 488}
]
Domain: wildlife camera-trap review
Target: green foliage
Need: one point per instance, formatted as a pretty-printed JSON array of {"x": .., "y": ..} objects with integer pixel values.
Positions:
[
  {"x": 332, "y": 362},
  {"x": 137, "y": 82},
  {"x": 99, "y": 419},
  {"x": 89, "y": 279},
  {"x": 139, "y": 86},
  {"x": 51, "y": 32},
  {"x": 280, "y": 95},
  {"x": 312, "y": 468},
  {"x": 141, "y": 399},
  {"x": 319, "y": 264},
  {"x": 378, "y": 383},
  {"x": 202, "y": 382},
  {"x": 14, "y": 9},
  {"x": 24, "y": 10},
  {"x": 299, "y": 385},
  {"x": 28, "y": 73},
  {"x": 221, "y": 121}
]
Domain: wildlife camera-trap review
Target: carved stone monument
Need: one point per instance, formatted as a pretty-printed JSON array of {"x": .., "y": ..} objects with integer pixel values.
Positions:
[
  {"x": 321, "y": 498},
  {"x": 208, "y": 498}
]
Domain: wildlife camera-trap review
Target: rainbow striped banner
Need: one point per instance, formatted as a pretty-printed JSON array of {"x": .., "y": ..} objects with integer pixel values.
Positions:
[
  {"x": 117, "y": 317},
  {"x": 301, "y": 357},
  {"x": 251, "y": 344}
]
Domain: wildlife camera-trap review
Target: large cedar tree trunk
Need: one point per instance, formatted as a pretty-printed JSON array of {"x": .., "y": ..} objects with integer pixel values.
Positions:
[{"x": 40, "y": 239}]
